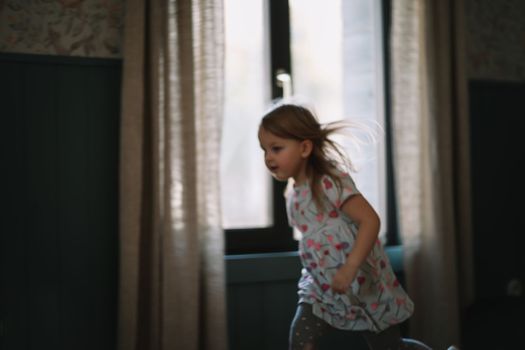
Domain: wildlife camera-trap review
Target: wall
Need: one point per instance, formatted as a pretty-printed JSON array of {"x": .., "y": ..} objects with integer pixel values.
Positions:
[
  {"x": 496, "y": 69},
  {"x": 59, "y": 96},
  {"x": 496, "y": 39},
  {"x": 88, "y": 28},
  {"x": 59, "y": 225}
]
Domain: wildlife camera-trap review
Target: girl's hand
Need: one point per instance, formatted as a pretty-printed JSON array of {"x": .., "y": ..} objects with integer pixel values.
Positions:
[{"x": 343, "y": 278}]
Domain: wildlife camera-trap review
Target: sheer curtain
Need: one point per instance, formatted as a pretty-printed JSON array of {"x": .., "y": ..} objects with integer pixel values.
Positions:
[
  {"x": 172, "y": 283},
  {"x": 431, "y": 163}
]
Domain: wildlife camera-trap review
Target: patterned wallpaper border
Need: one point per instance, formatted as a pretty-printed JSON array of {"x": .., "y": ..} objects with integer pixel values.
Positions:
[
  {"x": 93, "y": 28},
  {"x": 496, "y": 39},
  {"x": 89, "y": 28}
]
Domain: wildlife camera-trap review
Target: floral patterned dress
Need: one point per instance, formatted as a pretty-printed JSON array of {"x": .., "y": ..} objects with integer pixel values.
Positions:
[{"x": 375, "y": 299}]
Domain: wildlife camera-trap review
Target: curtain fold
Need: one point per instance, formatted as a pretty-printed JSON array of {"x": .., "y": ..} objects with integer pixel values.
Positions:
[
  {"x": 172, "y": 278},
  {"x": 429, "y": 121}
]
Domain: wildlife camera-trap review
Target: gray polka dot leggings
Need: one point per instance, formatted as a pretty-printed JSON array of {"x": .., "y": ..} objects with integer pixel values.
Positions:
[{"x": 307, "y": 329}]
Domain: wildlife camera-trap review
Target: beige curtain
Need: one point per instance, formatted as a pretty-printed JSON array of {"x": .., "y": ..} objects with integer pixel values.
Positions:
[
  {"x": 172, "y": 285},
  {"x": 431, "y": 163}
]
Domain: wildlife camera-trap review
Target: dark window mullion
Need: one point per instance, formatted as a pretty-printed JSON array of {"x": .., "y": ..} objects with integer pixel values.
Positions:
[
  {"x": 279, "y": 41},
  {"x": 392, "y": 229},
  {"x": 280, "y": 59}
]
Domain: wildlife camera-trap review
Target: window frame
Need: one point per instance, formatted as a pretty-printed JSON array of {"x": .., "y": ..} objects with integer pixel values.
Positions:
[
  {"x": 279, "y": 236},
  {"x": 392, "y": 231}
]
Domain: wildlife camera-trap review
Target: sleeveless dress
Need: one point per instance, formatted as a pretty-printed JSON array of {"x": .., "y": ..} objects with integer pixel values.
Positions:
[{"x": 375, "y": 299}]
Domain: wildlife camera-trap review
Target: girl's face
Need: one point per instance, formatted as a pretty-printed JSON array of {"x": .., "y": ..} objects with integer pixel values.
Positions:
[{"x": 285, "y": 158}]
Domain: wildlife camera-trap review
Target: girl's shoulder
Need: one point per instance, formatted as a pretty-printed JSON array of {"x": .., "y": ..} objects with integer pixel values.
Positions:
[
  {"x": 338, "y": 187},
  {"x": 339, "y": 178}
]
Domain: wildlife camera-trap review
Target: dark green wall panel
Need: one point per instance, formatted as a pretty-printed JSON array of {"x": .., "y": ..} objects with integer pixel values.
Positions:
[
  {"x": 497, "y": 129},
  {"x": 59, "y": 248},
  {"x": 497, "y": 126},
  {"x": 262, "y": 300}
]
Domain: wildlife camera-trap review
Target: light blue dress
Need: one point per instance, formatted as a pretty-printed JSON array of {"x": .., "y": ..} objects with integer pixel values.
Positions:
[{"x": 375, "y": 299}]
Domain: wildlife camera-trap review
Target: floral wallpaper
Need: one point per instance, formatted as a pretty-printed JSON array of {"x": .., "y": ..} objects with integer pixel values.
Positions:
[
  {"x": 496, "y": 39},
  {"x": 91, "y": 28}
]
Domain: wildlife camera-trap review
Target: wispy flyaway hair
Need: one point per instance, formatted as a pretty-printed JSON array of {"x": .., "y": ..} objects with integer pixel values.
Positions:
[{"x": 293, "y": 121}]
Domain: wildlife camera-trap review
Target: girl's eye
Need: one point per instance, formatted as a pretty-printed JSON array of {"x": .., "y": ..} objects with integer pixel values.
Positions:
[{"x": 276, "y": 149}]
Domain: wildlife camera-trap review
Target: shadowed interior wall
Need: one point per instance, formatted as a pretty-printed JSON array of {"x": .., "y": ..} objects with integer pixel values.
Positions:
[
  {"x": 497, "y": 127},
  {"x": 58, "y": 242}
]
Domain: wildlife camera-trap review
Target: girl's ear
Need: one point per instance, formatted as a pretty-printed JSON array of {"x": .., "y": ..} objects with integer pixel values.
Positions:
[{"x": 306, "y": 148}]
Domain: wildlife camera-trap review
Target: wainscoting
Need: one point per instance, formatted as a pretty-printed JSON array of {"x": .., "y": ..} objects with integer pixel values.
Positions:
[
  {"x": 262, "y": 296},
  {"x": 58, "y": 232},
  {"x": 497, "y": 129}
]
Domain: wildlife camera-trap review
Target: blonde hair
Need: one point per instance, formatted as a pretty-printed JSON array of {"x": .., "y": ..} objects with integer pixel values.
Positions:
[{"x": 292, "y": 121}]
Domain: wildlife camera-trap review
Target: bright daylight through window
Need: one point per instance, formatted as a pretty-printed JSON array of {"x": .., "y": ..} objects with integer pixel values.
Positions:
[{"x": 337, "y": 68}]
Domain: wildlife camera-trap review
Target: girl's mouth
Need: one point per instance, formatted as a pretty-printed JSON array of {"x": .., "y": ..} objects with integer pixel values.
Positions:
[{"x": 273, "y": 168}]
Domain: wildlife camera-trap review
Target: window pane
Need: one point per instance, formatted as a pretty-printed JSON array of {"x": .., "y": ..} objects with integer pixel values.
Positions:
[
  {"x": 337, "y": 66},
  {"x": 245, "y": 183}
]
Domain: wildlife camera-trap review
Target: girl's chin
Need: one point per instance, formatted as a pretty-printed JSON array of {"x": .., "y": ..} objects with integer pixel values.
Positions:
[{"x": 279, "y": 177}]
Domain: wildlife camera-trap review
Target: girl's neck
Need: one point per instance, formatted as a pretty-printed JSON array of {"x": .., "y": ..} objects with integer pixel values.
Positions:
[
  {"x": 301, "y": 178},
  {"x": 299, "y": 182}
]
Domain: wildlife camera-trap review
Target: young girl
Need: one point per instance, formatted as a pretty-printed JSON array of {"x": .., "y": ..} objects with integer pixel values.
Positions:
[{"x": 347, "y": 281}]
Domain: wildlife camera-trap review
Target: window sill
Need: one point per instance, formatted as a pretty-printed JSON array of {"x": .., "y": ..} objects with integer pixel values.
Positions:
[{"x": 242, "y": 268}]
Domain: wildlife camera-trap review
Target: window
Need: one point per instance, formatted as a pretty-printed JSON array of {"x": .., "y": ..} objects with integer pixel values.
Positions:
[
  {"x": 334, "y": 51},
  {"x": 246, "y": 197}
]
